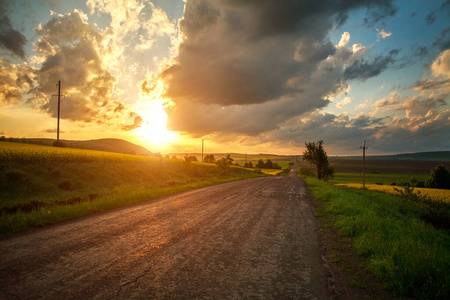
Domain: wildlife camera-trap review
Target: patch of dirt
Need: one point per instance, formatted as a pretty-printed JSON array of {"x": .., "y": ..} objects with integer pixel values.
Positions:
[{"x": 351, "y": 279}]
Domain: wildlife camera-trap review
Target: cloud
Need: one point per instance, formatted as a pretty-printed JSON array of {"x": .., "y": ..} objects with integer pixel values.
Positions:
[
  {"x": 248, "y": 66},
  {"x": 438, "y": 84},
  {"x": 363, "y": 69},
  {"x": 10, "y": 39},
  {"x": 345, "y": 101},
  {"x": 382, "y": 34},
  {"x": 136, "y": 124},
  {"x": 443, "y": 42},
  {"x": 430, "y": 18},
  {"x": 15, "y": 81},
  {"x": 73, "y": 52}
]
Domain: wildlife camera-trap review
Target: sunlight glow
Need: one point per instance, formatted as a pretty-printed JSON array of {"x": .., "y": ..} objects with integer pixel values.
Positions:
[{"x": 153, "y": 129}]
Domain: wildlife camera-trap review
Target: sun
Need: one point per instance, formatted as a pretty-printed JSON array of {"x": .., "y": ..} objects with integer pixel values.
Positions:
[{"x": 153, "y": 128}]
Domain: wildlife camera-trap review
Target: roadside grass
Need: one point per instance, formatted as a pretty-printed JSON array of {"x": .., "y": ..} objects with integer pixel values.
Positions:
[
  {"x": 41, "y": 185},
  {"x": 408, "y": 255}
]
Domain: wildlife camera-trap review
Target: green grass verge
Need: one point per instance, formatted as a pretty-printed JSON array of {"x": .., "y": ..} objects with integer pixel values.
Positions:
[{"x": 406, "y": 254}]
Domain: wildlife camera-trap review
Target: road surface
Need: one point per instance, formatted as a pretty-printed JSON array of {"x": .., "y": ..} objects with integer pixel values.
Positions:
[{"x": 254, "y": 238}]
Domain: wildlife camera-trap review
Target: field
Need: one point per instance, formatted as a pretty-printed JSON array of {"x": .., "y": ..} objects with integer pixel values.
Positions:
[
  {"x": 435, "y": 194},
  {"x": 42, "y": 185},
  {"x": 342, "y": 165}
]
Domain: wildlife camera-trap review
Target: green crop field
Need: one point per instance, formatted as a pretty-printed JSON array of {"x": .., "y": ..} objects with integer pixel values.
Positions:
[{"x": 42, "y": 185}]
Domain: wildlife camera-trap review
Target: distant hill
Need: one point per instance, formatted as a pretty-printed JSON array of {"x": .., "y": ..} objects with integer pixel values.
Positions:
[
  {"x": 109, "y": 145},
  {"x": 419, "y": 156}
]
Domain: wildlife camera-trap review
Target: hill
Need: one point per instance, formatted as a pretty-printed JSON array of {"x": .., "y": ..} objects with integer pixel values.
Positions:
[{"x": 109, "y": 145}]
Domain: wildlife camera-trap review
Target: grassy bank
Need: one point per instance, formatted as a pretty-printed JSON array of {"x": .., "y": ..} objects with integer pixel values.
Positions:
[
  {"x": 406, "y": 254},
  {"x": 41, "y": 185}
]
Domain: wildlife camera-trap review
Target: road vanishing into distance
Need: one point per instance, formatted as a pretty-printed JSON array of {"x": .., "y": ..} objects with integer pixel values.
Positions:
[{"x": 255, "y": 238}]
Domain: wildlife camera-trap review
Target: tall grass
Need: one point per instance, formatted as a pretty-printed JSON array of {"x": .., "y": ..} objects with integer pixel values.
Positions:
[{"x": 406, "y": 254}]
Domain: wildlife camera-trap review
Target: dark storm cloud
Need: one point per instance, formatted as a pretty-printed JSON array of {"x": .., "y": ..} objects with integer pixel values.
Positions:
[
  {"x": 362, "y": 69},
  {"x": 258, "y": 63},
  {"x": 10, "y": 38}
]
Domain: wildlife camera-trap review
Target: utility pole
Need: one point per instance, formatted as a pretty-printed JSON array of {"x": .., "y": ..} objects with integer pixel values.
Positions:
[
  {"x": 59, "y": 109},
  {"x": 202, "y": 150},
  {"x": 364, "y": 164}
]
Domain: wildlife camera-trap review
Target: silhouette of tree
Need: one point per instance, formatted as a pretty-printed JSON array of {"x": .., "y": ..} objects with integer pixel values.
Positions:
[
  {"x": 439, "y": 178},
  {"x": 260, "y": 164},
  {"x": 209, "y": 159},
  {"x": 316, "y": 155},
  {"x": 268, "y": 164}
]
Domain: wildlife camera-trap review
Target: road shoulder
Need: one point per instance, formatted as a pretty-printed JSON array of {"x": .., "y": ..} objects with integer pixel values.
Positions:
[{"x": 350, "y": 277}]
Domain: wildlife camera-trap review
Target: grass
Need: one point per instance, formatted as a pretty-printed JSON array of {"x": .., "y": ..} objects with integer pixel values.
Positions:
[
  {"x": 41, "y": 185},
  {"x": 408, "y": 255}
]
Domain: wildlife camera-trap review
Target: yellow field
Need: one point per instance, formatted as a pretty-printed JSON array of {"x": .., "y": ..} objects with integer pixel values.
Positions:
[
  {"x": 18, "y": 152},
  {"x": 436, "y": 194}
]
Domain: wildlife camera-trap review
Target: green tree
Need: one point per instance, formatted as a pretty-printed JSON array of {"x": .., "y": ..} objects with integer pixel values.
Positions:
[
  {"x": 316, "y": 155},
  {"x": 439, "y": 178}
]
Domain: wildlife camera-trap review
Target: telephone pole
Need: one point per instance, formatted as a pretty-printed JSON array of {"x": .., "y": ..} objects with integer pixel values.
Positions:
[
  {"x": 59, "y": 109},
  {"x": 364, "y": 163},
  {"x": 202, "y": 150}
]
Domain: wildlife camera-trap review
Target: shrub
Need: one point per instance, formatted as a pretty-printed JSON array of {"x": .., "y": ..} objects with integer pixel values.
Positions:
[
  {"x": 435, "y": 212},
  {"x": 439, "y": 178}
]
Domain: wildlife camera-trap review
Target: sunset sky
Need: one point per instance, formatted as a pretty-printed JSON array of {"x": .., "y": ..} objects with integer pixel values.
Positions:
[{"x": 256, "y": 76}]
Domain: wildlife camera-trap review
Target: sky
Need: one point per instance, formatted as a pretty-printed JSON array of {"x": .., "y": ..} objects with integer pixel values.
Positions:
[{"x": 255, "y": 76}]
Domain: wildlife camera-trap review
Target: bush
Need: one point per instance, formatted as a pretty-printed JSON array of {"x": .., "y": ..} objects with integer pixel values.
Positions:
[
  {"x": 439, "y": 178},
  {"x": 435, "y": 212}
]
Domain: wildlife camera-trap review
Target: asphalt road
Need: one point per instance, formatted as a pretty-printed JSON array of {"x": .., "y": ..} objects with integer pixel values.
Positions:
[{"x": 255, "y": 238}]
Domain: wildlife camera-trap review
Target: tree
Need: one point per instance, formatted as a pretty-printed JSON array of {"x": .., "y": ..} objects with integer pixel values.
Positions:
[
  {"x": 188, "y": 159},
  {"x": 174, "y": 157},
  {"x": 229, "y": 160},
  {"x": 268, "y": 164},
  {"x": 439, "y": 178},
  {"x": 260, "y": 164},
  {"x": 316, "y": 155},
  {"x": 209, "y": 159}
]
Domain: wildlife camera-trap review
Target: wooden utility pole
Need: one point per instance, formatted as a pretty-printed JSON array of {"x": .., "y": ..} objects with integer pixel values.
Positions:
[
  {"x": 59, "y": 109},
  {"x": 202, "y": 150},
  {"x": 364, "y": 164}
]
